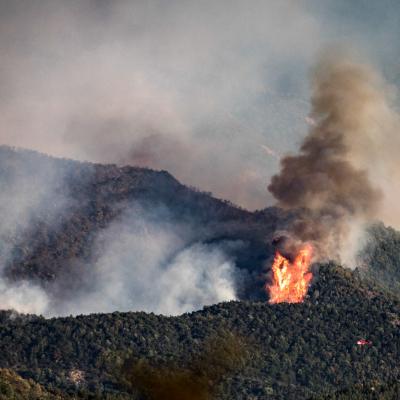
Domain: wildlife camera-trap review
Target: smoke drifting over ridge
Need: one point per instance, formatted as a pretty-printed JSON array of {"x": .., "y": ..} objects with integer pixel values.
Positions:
[
  {"x": 195, "y": 88},
  {"x": 333, "y": 179},
  {"x": 25, "y": 203},
  {"x": 144, "y": 261},
  {"x": 337, "y": 179},
  {"x": 212, "y": 92}
]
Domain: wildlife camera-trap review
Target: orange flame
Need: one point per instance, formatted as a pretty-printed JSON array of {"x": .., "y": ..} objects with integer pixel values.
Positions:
[{"x": 290, "y": 280}]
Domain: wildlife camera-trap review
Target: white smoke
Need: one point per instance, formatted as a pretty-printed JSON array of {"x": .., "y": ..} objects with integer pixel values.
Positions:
[
  {"x": 25, "y": 198},
  {"x": 144, "y": 261},
  {"x": 23, "y": 297},
  {"x": 148, "y": 265}
]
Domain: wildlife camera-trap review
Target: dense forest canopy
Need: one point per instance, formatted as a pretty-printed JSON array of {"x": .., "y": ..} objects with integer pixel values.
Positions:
[{"x": 293, "y": 350}]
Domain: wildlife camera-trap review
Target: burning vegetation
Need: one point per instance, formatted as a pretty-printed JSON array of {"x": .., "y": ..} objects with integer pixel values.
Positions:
[
  {"x": 326, "y": 182},
  {"x": 290, "y": 278}
]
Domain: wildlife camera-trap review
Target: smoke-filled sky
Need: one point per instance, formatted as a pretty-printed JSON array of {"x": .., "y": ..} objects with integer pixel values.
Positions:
[{"x": 213, "y": 91}]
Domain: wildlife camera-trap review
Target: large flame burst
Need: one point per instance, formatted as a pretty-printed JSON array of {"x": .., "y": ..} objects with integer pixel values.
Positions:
[{"x": 290, "y": 279}]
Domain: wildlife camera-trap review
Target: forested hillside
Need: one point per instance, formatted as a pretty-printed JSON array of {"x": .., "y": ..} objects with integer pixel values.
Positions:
[{"x": 292, "y": 351}]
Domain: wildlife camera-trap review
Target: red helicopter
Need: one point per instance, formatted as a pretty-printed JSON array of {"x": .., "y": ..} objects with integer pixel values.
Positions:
[{"x": 363, "y": 342}]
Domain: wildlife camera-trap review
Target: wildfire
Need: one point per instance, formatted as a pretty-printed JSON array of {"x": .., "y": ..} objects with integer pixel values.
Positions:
[{"x": 290, "y": 279}]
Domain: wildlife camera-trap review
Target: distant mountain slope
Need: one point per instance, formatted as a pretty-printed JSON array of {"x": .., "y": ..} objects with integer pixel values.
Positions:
[
  {"x": 296, "y": 350},
  {"x": 53, "y": 210}
]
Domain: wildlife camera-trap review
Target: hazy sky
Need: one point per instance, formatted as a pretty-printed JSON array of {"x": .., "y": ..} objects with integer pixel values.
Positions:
[{"x": 213, "y": 91}]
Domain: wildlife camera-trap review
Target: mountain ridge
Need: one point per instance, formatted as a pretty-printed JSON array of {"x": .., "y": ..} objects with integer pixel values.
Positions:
[{"x": 80, "y": 200}]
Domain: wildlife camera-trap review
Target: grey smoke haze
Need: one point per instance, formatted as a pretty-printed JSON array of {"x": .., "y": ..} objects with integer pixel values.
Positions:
[
  {"x": 338, "y": 177},
  {"x": 24, "y": 297},
  {"x": 197, "y": 88},
  {"x": 26, "y": 201},
  {"x": 145, "y": 262}
]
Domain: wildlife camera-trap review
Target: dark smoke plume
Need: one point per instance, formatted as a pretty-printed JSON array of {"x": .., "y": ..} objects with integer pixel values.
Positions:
[
  {"x": 323, "y": 181},
  {"x": 199, "y": 380}
]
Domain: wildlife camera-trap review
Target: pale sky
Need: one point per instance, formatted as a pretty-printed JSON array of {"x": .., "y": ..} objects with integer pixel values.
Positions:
[{"x": 200, "y": 88}]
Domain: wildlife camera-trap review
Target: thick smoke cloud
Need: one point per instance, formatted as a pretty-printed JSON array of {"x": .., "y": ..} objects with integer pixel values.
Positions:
[
  {"x": 23, "y": 297},
  {"x": 145, "y": 262},
  {"x": 336, "y": 179},
  {"x": 196, "y": 88},
  {"x": 142, "y": 262},
  {"x": 25, "y": 203}
]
